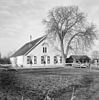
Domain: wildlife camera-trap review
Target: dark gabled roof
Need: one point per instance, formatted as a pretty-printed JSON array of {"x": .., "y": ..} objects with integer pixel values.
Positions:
[
  {"x": 28, "y": 46},
  {"x": 77, "y": 57}
]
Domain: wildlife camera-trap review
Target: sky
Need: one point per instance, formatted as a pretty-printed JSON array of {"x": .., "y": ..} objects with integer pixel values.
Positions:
[{"x": 21, "y": 18}]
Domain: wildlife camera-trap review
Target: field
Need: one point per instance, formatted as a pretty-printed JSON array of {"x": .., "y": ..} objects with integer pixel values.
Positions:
[{"x": 16, "y": 84}]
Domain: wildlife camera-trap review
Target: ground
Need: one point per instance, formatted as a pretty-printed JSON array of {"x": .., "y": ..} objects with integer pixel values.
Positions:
[{"x": 21, "y": 82}]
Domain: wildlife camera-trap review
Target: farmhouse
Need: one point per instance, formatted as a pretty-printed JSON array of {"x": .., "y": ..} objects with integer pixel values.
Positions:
[{"x": 37, "y": 53}]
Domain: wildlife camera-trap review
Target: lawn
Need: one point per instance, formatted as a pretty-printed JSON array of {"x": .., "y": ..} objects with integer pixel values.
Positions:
[{"x": 16, "y": 84}]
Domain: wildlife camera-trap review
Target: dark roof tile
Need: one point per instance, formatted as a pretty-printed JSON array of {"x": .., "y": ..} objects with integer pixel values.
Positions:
[{"x": 25, "y": 48}]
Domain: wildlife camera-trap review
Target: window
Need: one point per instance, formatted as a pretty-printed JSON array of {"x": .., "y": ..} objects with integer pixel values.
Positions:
[
  {"x": 43, "y": 60},
  {"x": 55, "y": 60},
  {"x": 28, "y": 59},
  {"x": 60, "y": 59},
  {"x": 44, "y": 49},
  {"x": 48, "y": 59},
  {"x": 35, "y": 60}
]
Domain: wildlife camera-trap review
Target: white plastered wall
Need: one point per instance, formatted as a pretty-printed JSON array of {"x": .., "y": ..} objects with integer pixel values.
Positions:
[
  {"x": 38, "y": 52},
  {"x": 13, "y": 62}
]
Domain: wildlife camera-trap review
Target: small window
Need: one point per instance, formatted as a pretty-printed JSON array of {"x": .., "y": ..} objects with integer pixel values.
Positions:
[
  {"x": 48, "y": 59},
  {"x": 55, "y": 60},
  {"x": 44, "y": 49},
  {"x": 60, "y": 59},
  {"x": 28, "y": 59},
  {"x": 35, "y": 60}
]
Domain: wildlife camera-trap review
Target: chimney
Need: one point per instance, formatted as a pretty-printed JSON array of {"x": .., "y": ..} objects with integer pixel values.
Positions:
[
  {"x": 30, "y": 38},
  {"x": 30, "y": 41}
]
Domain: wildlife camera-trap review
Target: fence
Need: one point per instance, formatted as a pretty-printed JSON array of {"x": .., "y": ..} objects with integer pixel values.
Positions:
[{"x": 78, "y": 65}]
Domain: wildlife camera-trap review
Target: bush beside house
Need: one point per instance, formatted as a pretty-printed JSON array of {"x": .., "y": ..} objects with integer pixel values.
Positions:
[{"x": 5, "y": 61}]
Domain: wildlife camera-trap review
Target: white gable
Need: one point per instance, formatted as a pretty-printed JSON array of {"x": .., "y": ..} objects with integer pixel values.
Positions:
[
  {"x": 51, "y": 52},
  {"x": 38, "y": 50}
]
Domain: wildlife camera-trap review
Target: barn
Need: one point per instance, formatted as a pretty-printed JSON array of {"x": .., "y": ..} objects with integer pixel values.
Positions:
[{"x": 78, "y": 59}]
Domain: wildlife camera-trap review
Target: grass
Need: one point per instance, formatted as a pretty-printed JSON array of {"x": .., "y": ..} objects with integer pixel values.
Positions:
[
  {"x": 58, "y": 70},
  {"x": 43, "y": 79}
]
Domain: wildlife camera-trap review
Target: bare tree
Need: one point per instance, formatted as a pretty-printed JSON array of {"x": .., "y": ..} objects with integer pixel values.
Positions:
[{"x": 70, "y": 27}]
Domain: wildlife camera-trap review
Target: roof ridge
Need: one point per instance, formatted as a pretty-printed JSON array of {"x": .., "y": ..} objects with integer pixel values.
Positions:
[
  {"x": 25, "y": 48},
  {"x": 35, "y": 39},
  {"x": 35, "y": 44}
]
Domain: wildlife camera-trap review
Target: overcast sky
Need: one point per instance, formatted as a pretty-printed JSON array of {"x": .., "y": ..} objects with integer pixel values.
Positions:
[{"x": 21, "y": 18}]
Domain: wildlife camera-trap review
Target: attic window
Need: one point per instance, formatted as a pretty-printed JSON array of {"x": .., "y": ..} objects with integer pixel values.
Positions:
[{"x": 44, "y": 49}]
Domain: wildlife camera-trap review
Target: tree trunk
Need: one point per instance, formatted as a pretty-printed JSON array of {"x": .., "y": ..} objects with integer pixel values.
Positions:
[
  {"x": 64, "y": 60},
  {"x": 67, "y": 49},
  {"x": 63, "y": 54}
]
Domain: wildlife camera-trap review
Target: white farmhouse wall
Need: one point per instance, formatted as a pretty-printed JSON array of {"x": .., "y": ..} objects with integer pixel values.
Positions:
[
  {"x": 13, "y": 61},
  {"x": 20, "y": 60},
  {"x": 38, "y": 51}
]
